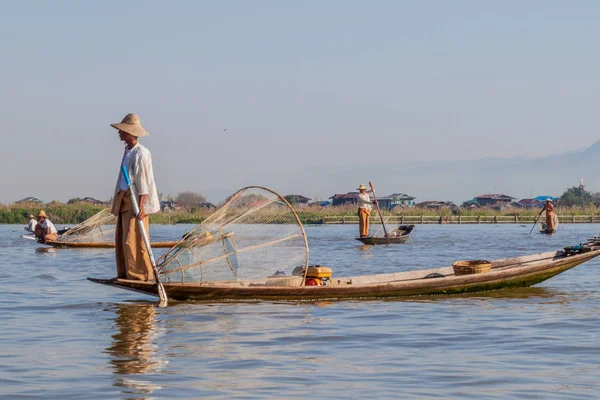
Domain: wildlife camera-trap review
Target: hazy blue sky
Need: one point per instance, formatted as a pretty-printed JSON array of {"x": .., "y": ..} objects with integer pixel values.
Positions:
[{"x": 297, "y": 85}]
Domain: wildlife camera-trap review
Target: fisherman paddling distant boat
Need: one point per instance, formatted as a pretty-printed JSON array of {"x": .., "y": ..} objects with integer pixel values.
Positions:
[
  {"x": 32, "y": 224},
  {"x": 549, "y": 208},
  {"x": 133, "y": 261},
  {"x": 364, "y": 210},
  {"x": 45, "y": 230}
]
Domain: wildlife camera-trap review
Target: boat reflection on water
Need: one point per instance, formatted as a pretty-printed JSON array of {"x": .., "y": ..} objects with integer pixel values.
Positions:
[
  {"x": 536, "y": 293},
  {"x": 133, "y": 351}
]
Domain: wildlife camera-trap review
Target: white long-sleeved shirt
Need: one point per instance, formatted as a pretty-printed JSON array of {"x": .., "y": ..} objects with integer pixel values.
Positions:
[
  {"x": 364, "y": 201},
  {"x": 138, "y": 162},
  {"x": 32, "y": 224},
  {"x": 48, "y": 224}
]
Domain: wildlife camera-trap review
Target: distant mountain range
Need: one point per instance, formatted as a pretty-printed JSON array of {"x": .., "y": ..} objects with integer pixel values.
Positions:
[{"x": 458, "y": 181}]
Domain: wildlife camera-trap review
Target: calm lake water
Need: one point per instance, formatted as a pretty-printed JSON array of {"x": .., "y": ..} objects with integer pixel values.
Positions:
[{"x": 63, "y": 337}]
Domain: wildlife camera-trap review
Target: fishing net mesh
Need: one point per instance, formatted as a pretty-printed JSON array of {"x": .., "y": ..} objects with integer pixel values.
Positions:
[
  {"x": 254, "y": 236},
  {"x": 100, "y": 228}
]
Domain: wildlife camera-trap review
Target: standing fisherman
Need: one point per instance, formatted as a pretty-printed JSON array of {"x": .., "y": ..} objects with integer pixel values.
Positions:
[
  {"x": 133, "y": 261},
  {"x": 549, "y": 208},
  {"x": 364, "y": 210}
]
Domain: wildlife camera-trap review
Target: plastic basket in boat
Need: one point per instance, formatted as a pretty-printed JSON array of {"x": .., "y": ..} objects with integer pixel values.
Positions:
[{"x": 466, "y": 267}]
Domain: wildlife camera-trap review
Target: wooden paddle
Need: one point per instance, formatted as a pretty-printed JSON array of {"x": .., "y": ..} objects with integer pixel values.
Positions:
[
  {"x": 535, "y": 222},
  {"x": 136, "y": 210},
  {"x": 379, "y": 211}
]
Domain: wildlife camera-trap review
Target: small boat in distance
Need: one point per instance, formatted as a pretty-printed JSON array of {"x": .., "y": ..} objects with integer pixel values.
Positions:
[
  {"x": 398, "y": 235},
  {"x": 96, "y": 232}
]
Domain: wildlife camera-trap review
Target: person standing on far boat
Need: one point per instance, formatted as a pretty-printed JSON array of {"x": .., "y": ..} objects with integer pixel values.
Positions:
[
  {"x": 133, "y": 261},
  {"x": 32, "y": 224},
  {"x": 364, "y": 210},
  {"x": 45, "y": 230},
  {"x": 549, "y": 208}
]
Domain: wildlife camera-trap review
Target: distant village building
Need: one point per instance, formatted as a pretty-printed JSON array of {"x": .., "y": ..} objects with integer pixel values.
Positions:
[
  {"x": 344, "y": 199},
  {"x": 503, "y": 206},
  {"x": 87, "y": 200},
  {"x": 169, "y": 206},
  {"x": 470, "y": 204},
  {"x": 489, "y": 200},
  {"x": 530, "y": 203},
  {"x": 29, "y": 200},
  {"x": 386, "y": 203},
  {"x": 396, "y": 200},
  {"x": 544, "y": 198},
  {"x": 537, "y": 202},
  {"x": 436, "y": 205},
  {"x": 320, "y": 203},
  {"x": 297, "y": 200}
]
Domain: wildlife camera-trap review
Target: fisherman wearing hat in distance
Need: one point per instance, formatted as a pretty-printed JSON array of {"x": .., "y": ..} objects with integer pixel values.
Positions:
[
  {"x": 549, "y": 208},
  {"x": 364, "y": 210},
  {"x": 45, "y": 230},
  {"x": 133, "y": 261},
  {"x": 32, "y": 224}
]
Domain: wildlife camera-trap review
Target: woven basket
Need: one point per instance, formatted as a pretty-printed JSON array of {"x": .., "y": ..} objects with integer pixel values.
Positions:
[{"x": 466, "y": 267}]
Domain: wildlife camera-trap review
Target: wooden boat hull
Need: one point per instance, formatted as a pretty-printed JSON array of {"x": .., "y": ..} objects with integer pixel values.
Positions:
[
  {"x": 547, "y": 231},
  {"x": 508, "y": 273},
  {"x": 371, "y": 240},
  {"x": 403, "y": 233},
  {"x": 91, "y": 245}
]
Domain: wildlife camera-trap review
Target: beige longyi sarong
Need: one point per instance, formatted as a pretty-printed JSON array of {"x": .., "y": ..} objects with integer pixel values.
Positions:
[
  {"x": 133, "y": 261},
  {"x": 363, "y": 221}
]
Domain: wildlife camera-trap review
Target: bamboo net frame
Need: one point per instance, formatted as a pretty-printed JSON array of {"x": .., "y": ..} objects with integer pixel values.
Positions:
[
  {"x": 99, "y": 228},
  {"x": 255, "y": 235}
]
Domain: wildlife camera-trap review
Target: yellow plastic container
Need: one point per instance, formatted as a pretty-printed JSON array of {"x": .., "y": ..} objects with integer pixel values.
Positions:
[{"x": 318, "y": 271}]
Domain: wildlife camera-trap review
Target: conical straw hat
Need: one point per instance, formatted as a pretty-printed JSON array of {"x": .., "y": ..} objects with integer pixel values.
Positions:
[
  {"x": 42, "y": 214},
  {"x": 361, "y": 187},
  {"x": 132, "y": 125}
]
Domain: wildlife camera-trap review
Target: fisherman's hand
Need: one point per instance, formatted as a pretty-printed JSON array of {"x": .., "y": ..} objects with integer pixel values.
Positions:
[{"x": 141, "y": 215}]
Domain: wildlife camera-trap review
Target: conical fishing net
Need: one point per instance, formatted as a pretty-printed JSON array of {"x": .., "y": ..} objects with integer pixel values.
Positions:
[
  {"x": 255, "y": 237},
  {"x": 100, "y": 228}
]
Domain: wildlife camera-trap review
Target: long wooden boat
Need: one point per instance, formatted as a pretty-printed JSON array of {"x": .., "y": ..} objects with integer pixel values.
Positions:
[
  {"x": 547, "y": 231},
  {"x": 506, "y": 273},
  {"x": 102, "y": 245}
]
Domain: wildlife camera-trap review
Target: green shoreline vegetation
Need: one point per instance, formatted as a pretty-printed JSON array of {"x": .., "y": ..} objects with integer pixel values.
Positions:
[{"x": 61, "y": 213}]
